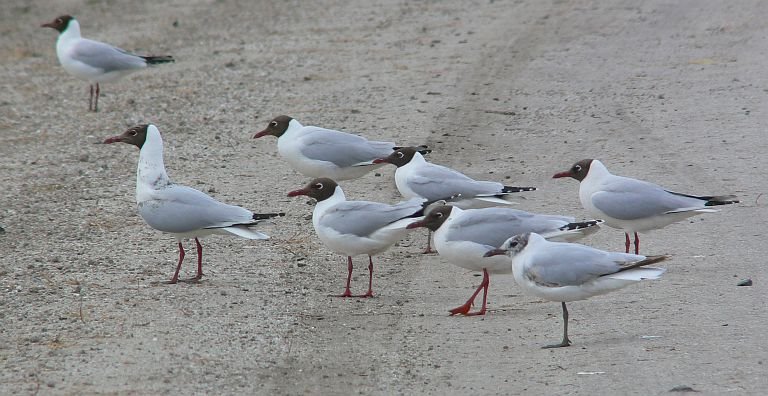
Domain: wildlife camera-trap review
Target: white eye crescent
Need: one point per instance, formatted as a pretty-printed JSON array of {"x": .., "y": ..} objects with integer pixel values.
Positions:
[
  {"x": 438, "y": 215},
  {"x": 319, "y": 186},
  {"x": 577, "y": 168},
  {"x": 400, "y": 154},
  {"x": 132, "y": 132},
  {"x": 273, "y": 123}
]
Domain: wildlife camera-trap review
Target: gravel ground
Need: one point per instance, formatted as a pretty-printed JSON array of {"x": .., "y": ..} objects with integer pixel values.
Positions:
[{"x": 674, "y": 92}]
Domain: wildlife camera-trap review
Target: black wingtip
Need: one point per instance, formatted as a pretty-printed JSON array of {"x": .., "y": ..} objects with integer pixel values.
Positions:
[
  {"x": 264, "y": 216},
  {"x": 581, "y": 225},
  {"x": 156, "y": 60},
  {"x": 722, "y": 200},
  {"x": 512, "y": 189}
]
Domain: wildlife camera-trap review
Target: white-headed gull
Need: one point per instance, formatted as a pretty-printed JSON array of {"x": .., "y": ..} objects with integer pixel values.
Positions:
[
  {"x": 634, "y": 205},
  {"x": 566, "y": 272},
  {"x": 94, "y": 61},
  {"x": 181, "y": 210},
  {"x": 463, "y": 236},
  {"x": 417, "y": 178},
  {"x": 353, "y": 228},
  {"x": 318, "y": 152}
]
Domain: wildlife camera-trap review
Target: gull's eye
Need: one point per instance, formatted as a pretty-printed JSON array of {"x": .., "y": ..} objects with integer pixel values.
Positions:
[
  {"x": 59, "y": 20},
  {"x": 513, "y": 244},
  {"x": 132, "y": 132},
  {"x": 318, "y": 186},
  {"x": 273, "y": 124},
  {"x": 438, "y": 215},
  {"x": 400, "y": 154},
  {"x": 577, "y": 168}
]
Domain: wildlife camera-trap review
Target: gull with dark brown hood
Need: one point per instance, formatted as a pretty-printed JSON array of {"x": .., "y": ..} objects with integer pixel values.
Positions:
[
  {"x": 464, "y": 236},
  {"x": 94, "y": 61},
  {"x": 417, "y": 178},
  {"x": 180, "y": 210},
  {"x": 634, "y": 205},
  {"x": 354, "y": 228},
  {"x": 318, "y": 152}
]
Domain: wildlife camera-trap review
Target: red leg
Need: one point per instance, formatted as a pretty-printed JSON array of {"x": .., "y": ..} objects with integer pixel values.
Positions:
[
  {"x": 627, "y": 243},
  {"x": 429, "y": 250},
  {"x": 90, "y": 99},
  {"x": 96, "y": 102},
  {"x": 199, "y": 264},
  {"x": 637, "y": 243},
  {"x": 178, "y": 268},
  {"x": 464, "y": 309},
  {"x": 347, "y": 292},
  {"x": 370, "y": 280}
]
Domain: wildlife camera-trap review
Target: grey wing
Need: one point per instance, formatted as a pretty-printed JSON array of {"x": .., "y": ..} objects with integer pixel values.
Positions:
[
  {"x": 438, "y": 182},
  {"x": 179, "y": 209},
  {"x": 363, "y": 218},
  {"x": 340, "y": 148},
  {"x": 106, "y": 57},
  {"x": 570, "y": 264},
  {"x": 493, "y": 226},
  {"x": 630, "y": 199}
]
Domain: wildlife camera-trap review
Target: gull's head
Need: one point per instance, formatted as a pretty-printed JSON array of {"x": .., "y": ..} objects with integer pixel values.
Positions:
[
  {"x": 276, "y": 127},
  {"x": 61, "y": 23},
  {"x": 319, "y": 189},
  {"x": 434, "y": 219},
  {"x": 135, "y": 135},
  {"x": 398, "y": 157},
  {"x": 511, "y": 246},
  {"x": 578, "y": 171}
]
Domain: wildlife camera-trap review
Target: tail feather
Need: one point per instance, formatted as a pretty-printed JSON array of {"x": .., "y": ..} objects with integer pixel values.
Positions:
[
  {"x": 156, "y": 60},
  {"x": 243, "y": 231},
  {"x": 638, "y": 274},
  {"x": 713, "y": 200}
]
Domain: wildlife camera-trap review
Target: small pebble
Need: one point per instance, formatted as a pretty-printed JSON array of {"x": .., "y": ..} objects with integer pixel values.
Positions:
[{"x": 745, "y": 282}]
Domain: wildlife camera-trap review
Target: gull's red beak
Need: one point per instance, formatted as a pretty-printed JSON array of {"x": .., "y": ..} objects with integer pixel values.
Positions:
[
  {"x": 415, "y": 224},
  {"x": 296, "y": 193},
  {"x": 114, "y": 139},
  {"x": 261, "y": 134},
  {"x": 495, "y": 252},
  {"x": 562, "y": 174},
  {"x": 380, "y": 160}
]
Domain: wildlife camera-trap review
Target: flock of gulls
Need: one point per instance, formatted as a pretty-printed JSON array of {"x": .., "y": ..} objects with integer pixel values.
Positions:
[{"x": 469, "y": 220}]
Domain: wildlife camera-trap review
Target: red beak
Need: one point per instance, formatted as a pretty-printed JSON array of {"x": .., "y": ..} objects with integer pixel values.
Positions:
[
  {"x": 114, "y": 139},
  {"x": 562, "y": 174},
  {"x": 494, "y": 252},
  {"x": 261, "y": 134},
  {"x": 296, "y": 193},
  {"x": 415, "y": 224},
  {"x": 47, "y": 24},
  {"x": 380, "y": 160}
]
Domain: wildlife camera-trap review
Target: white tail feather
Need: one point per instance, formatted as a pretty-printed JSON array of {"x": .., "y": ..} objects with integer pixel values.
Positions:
[
  {"x": 638, "y": 274},
  {"x": 245, "y": 232}
]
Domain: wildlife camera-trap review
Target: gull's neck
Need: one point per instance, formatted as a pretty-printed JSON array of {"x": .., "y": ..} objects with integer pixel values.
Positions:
[
  {"x": 597, "y": 171},
  {"x": 150, "y": 174},
  {"x": 417, "y": 159},
  {"x": 324, "y": 205},
  {"x": 71, "y": 32},
  {"x": 293, "y": 127}
]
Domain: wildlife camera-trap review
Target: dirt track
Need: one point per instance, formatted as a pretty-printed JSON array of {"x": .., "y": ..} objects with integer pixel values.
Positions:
[{"x": 671, "y": 92}]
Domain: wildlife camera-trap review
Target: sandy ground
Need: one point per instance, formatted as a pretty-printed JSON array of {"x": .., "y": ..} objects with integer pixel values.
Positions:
[{"x": 674, "y": 92}]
